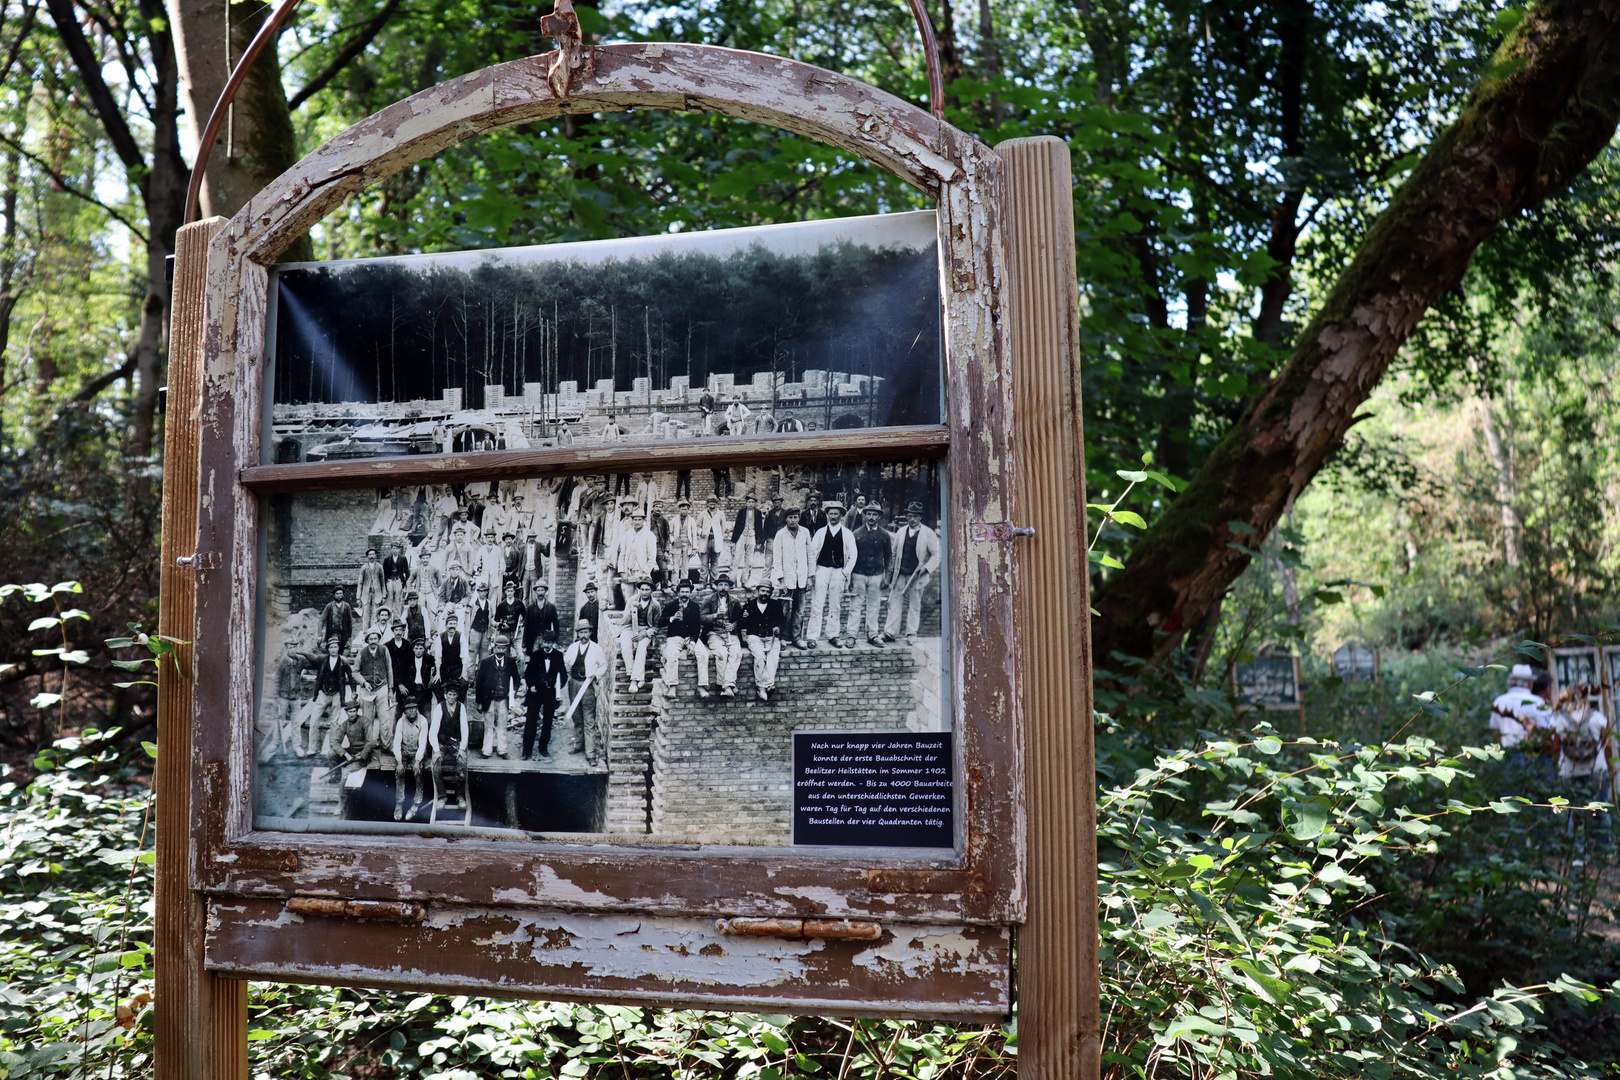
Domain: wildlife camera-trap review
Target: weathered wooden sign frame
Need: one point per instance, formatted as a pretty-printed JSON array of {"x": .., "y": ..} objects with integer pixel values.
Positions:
[{"x": 592, "y": 920}]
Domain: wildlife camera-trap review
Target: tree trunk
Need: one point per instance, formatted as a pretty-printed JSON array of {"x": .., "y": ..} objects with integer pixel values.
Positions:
[
  {"x": 257, "y": 142},
  {"x": 1506, "y": 488},
  {"x": 1546, "y": 107}
]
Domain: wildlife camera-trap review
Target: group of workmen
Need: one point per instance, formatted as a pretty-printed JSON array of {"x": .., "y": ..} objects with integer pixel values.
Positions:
[
  {"x": 1529, "y": 719},
  {"x": 425, "y": 665}
]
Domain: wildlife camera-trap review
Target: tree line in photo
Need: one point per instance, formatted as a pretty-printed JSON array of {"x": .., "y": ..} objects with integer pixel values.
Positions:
[{"x": 393, "y": 331}]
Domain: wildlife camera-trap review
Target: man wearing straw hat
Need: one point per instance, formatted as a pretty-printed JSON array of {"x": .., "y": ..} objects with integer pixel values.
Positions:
[{"x": 1518, "y": 711}]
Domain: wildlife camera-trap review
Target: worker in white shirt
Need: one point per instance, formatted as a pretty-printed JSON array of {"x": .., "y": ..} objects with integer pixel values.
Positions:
[{"x": 1519, "y": 710}]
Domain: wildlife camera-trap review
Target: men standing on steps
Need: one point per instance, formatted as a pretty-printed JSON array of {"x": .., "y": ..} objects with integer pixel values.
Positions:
[
  {"x": 370, "y": 593},
  {"x": 337, "y": 619},
  {"x": 447, "y": 737},
  {"x": 479, "y": 623},
  {"x": 417, "y": 683},
  {"x": 637, "y": 624},
  {"x": 332, "y": 681},
  {"x": 543, "y": 680},
  {"x": 396, "y": 569},
  {"x": 497, "y": 696},
  {"x": 452, "y": 652},
  {"x": 746, "y": 530},
  {"x": 376, "y": 688},
  {"x": 590, "y": 611},
  {"x": 763, "y": 624},
  {"x": 721, "y": 618},
  {"x": 792, "y": 571},
  {"x": 637, "y": 555},
  {"x": 874, "y": 554},
  {"x": 832, "y": 553},
  {"x": 684, "y": 545},
  {"x": 683, "y": 630},
  {"x": 410, "y": 747},
  {"x": 587, "y": 666},
  {"x": 540, "y": 620},
  {"x": 711, "y": 538},
  {"x": 775, "y": 518},
  {"x": 415, "y": 620},
  {"x": 916, "y": 557}
]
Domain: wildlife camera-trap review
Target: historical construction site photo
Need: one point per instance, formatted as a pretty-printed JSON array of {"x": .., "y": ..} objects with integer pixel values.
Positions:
[
  {"x": 804, "y": 327},
  {"x": 626, "y": 654}
]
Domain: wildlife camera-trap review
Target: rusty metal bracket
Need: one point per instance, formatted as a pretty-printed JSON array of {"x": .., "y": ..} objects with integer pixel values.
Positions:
[
  {"x": 268, "y": 31},
  {"x": 936, "y": 78},
  {"x": 990, "y": 532},
  {"x": 573, "y": 55},
  {"x": 825, "y": 929},
  {"x": 381, "y": 910}
]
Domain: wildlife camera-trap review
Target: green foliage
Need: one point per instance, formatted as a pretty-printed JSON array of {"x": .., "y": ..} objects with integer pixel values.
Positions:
[{"x": 1246, "y": 931}]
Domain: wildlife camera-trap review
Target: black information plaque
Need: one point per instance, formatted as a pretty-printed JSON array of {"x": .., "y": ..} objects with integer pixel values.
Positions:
[{"x": 873, "y": 789}]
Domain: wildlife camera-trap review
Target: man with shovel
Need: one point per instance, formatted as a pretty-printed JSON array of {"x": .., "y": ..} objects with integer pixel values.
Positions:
[{"x": 586, "y": 665}]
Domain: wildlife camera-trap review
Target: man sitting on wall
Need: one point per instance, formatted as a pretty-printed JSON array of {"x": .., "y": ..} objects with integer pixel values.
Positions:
[{"x": 764, "y": 623}]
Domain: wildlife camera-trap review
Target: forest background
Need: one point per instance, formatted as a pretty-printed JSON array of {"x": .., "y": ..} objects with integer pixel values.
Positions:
[{"x": 1249, "y": 178}]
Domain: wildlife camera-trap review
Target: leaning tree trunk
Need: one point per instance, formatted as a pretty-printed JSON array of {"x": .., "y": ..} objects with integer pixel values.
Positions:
[{"x": 1546, "y": 107}]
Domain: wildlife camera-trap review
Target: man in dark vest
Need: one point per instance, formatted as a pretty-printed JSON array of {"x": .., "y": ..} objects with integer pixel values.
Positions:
[
  {"x": 447, "y": 737},
  {"x": 683, "y": 630},
  {"x": 417, "y": 685},
  {"x": 452, "y": 651},
  {"x": 333, "y": 679},
  {"x": 832, "y": 554}
]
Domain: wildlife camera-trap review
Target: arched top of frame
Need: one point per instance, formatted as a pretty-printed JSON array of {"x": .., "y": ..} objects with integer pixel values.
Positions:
[{"x": 797, "y": 97}]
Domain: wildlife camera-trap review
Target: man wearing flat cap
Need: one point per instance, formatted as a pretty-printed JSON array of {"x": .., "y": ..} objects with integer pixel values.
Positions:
[
  {"x": 916, "y": 558},
  {"x": 496, "y": 694},
  {"x": 333, "y": 681}
]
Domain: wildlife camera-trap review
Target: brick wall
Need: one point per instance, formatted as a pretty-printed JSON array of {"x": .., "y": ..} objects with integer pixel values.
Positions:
[{"x": 722, "y": 769}]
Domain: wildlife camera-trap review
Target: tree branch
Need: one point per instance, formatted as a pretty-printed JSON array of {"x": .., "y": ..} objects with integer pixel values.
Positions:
[
  {"x": 101, "y": 98},
  {"x": 1546, "y": 105},
  {"x": 91, "y": 389},
  {"x": 61, "y": 181},
  {"x": 354, "y": 48}
]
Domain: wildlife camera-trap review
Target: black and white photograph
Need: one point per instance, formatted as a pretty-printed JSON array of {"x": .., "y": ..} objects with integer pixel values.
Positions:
[
  {"x": 807, "y": 326},
  {"x": 626, "y": 653}
]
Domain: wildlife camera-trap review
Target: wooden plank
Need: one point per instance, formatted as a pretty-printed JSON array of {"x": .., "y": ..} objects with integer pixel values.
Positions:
[
  {"x": 189, "y": 1000},
  {"x": 865, "y": 444},
  {"x": 1059, "y": 1022},
  {"x": 937, "y": 972}
]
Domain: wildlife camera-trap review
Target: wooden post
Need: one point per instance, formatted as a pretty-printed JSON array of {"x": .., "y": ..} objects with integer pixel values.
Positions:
[
  {"x": 201, "y": 1019},
  {"x": 1059, "y": 1022}
]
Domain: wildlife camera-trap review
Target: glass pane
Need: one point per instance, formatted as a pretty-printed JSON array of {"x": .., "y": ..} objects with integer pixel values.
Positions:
[
  {"x": 628, "y": 654},
  {"x": 801, "y": 327}
]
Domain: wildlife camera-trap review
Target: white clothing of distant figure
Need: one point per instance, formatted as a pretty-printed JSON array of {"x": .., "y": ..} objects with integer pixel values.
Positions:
[
  {"x": 1516, "y": 713},
  {"x": 1581, "y": 753}
]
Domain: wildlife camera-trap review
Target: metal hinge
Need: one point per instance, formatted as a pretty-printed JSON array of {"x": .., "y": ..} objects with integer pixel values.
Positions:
[
  {"x": 202, "y": 560},
  {"x": 984, "y": 532}
]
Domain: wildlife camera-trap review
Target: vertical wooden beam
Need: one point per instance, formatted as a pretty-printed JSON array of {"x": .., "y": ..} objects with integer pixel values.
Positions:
[
  {"x": 1059, "y": 1023},
  {"x": 201, "y": 1020}
]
